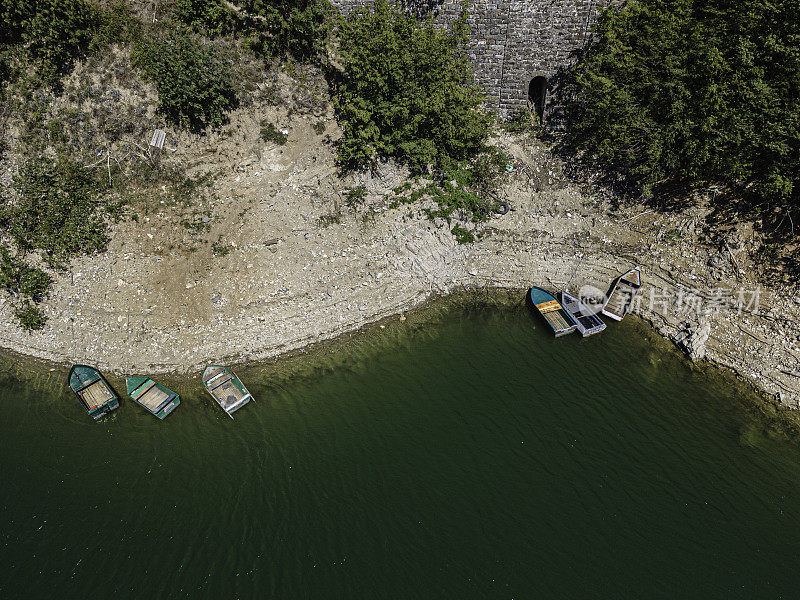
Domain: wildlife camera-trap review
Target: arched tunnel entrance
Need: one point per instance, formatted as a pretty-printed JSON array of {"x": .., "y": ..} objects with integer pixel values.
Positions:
[{"x": 537, "y": 96}]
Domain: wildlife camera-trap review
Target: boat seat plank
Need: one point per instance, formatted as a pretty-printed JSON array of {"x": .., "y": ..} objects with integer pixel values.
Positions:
[
  {"x": 165, "y": 403},
  {"x": 222, "y": 382},
  {"x": 227, "y": 394},
  {"x": 548, "y": 306},
  {"x": 556, "y": 320},
  {"x": 95, "y": 394},
  {"x": 153, "y": 398},
  {"x": 142, "y": 389}
]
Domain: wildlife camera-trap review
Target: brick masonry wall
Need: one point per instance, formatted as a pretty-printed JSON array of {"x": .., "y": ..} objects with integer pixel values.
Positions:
[{"x": 513, "y": 41}]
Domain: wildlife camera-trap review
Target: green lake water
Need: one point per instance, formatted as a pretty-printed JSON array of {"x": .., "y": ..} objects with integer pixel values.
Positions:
[{"x": 466, "y": 454}]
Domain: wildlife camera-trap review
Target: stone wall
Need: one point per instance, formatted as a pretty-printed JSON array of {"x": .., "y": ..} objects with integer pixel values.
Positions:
[{"x": 513, "y": 41}]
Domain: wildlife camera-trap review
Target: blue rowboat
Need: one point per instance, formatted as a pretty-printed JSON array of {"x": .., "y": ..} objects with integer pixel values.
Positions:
[{"x": 558, "y": 319}]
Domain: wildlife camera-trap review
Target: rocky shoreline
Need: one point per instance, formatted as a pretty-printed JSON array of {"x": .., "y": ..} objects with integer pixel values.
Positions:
[{"x": 294, "y": 275}]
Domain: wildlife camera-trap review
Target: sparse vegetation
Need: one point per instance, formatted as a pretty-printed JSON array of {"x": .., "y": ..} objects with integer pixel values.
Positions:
[
  {"x": 467, "y": 188},
  {"x": 334, "y": 217},
  {"x": 219, "y": 248},
  {"x": 30, "y": 316},
  {"x": 27, "y": 285},
  {"x": 59, "y": 210},
  {"x": 462, "y": 235},
  {"x": 355, "y": 196},
  {"x": 521, "y": 121},
  {"x": 270, "y": 133},
  {"x": 21, "y": 279},
  {"x": 319, "y": 127}
]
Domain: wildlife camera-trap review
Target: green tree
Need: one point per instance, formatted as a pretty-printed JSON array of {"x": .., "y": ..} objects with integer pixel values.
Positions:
[
  {"x": 55, "y": 32},
  {"x": 407, "y": 91},
  {"x": 695, "y": 91}
]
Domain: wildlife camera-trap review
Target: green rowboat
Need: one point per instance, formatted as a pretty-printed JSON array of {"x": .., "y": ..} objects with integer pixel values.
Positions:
[
  {"x": 153, "y": 396},
  {"x": 92, "y": 390}
]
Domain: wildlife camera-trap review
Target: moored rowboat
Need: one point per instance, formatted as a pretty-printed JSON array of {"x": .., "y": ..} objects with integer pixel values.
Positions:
[
  {"x": 620, "y": 296},
  {"x": 92, "y": 390},
  {"x": 587, "y": 321},
  {"x": 225, "y": 388},
  {"x": 156, "y": 398},
  {"x": 558, "y": 319}
]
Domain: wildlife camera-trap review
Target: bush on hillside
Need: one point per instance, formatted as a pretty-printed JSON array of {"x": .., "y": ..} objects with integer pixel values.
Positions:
[
  {"x": 55, "y": 32},
  {"x": 29, "y": 316},
  {"x": 20, "y": 278},
  {"x": 116, "y": 25},
  {"x": 694, "y": 91},
  {"x": 210, "y": 17},
  {"x": 195, "y": 87},
  {"x": 406, "y": 91},
  {"x": 58, "y": 212},
  {"x": 289, "y": 28}
]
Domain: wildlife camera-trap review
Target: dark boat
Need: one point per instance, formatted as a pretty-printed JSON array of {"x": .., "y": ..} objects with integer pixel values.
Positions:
[
  {"x": 587, "y": 321},
  {"x": 148, "y": 393},
  {"x": 92, "y": 390},
  {"x": 225, "y": 388},
  {"x": 559, "y": 320},
  {"x": 620, "y": 296}
]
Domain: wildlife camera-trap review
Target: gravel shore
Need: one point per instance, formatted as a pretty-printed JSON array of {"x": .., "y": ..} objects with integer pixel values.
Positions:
[{"x": 300, "y": 268}]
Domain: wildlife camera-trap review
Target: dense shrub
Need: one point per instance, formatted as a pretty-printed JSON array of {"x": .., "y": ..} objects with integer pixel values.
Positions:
[
  {"x": 20, "y": 278},
  {"x": 195, "y": 87},
  {"x": 296, "y": 28},
  {"x": 59, "y": 211},
  {"x": 406, "y": 91},
  {"x": 210, "y": 17},
  {"x": 29, "y": 316},
  {"x": 55, "y": 32},
  {"x": 116, "y": 25},
  {"x": 694, "y": 91}
]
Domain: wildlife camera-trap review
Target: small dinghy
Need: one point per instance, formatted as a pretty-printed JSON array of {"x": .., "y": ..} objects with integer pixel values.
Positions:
[
  {"x": 559, "y": 320},
  {"x": 93, "y": 391},
  {"x": 225, "y": 388},
  {"x": 587, "y": 321},
  {"x": 153, "y": 396},
  {"x": 620, "y": 297}
]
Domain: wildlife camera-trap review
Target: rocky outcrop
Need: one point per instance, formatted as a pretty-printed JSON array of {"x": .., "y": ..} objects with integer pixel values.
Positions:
[{"x": 694, "y": 337}]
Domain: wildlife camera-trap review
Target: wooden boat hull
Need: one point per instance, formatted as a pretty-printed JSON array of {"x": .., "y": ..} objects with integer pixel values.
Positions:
[
  {"x": 226, "y": 388},
  {"x": 619, "y": 301},
  {"x": 557, "y": 319},
  {"x": 155, "y": 398},
  {"x": 587, "y": 320},
  {"x": 93, "y": 392}
]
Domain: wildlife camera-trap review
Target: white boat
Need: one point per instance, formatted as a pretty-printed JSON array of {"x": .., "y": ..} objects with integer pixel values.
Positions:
[
  {"x": 620, "y": 297},
  {"x": 225, "y": 388},
  {"x": 587, "y": 320}
]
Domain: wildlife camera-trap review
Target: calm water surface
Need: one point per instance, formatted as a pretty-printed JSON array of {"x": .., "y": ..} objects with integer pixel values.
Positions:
[{"x": 471, "y": 456}]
